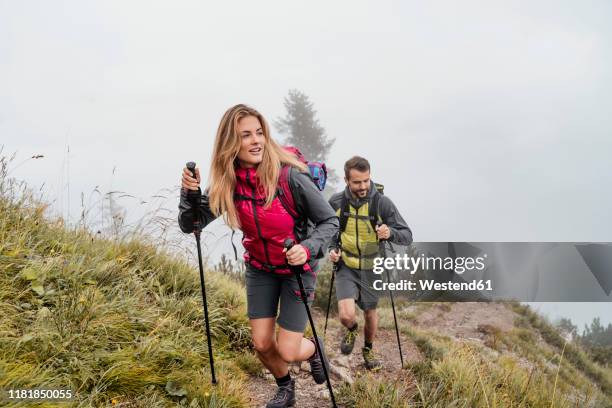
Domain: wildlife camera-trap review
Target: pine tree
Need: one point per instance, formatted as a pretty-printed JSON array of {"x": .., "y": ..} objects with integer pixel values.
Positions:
[{"x": 302, "y": 129}]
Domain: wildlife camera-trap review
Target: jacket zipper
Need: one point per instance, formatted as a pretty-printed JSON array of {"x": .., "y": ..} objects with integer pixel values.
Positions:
[
  {"x": 254, "y": 206},
  {"x": 357, "y": 235}
]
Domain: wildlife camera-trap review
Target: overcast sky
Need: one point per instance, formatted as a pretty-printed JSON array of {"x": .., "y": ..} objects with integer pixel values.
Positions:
[{"x": 485, "y": 121}]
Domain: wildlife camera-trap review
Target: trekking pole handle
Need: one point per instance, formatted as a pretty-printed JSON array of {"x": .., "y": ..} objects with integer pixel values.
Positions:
[
  {"x": 194, "y": 197},
  {"x": 379, "y": 224},
  {"x": 337, "y": 242},
  {"x": 337, "y": 248},
  {"x": 381, "y": 242},
  {"x": 288, "y": 243},
  {"x": 191, "y": 167}
]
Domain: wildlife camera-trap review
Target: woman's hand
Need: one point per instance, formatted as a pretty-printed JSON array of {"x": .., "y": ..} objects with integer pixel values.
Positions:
[
  {"x": 188, "y": 182},
  {"x": 297, "y": 255}
]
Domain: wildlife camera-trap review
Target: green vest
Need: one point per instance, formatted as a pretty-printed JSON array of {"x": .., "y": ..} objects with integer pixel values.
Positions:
[{"x": 359, "y": 242}]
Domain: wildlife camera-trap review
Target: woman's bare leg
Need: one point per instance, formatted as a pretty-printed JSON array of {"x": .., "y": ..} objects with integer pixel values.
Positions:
[
  {"x": 264, "y": 342},
  {"x": 292, "y": 346}
]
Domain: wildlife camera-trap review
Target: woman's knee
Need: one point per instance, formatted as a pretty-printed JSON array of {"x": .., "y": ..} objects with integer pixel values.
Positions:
[
  {"x": 288, "y": 352},
  {"x": 289, "y": 345},
  {"x": 263, "y": 344}
]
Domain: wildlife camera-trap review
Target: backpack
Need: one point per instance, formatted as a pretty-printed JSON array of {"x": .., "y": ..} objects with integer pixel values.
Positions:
[
  {"x": 373, "y": 210},
  {"x": 316, "y": 170}
]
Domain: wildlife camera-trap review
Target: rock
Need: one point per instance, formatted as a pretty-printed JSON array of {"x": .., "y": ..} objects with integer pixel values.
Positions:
[
  {"x": 323, "y": 394},
  {"x": 295, "y": 368},
  {"x": 342, "y": 373},
  {"x": 341, "y": 361}
]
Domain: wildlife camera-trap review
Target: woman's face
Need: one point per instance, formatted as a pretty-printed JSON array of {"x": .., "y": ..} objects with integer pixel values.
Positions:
[{"x": 252, "y": 142}]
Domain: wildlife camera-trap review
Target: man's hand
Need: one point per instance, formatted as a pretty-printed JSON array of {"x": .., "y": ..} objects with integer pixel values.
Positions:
[
  {"x": 297, "y": 255},
  {"x": 383, "y": 231},
  {"x": 335, "y": 255},
  {"x": 188, "y": 182}
]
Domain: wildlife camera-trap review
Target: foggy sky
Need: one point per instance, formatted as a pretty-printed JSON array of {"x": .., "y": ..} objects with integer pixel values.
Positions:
[{"x": 485, "y": 121}]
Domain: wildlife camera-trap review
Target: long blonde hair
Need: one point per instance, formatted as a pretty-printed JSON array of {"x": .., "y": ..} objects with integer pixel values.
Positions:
[{"x": 222, "y": 179}]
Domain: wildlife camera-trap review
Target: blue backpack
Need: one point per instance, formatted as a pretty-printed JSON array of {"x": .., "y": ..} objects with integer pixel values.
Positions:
[{"x": 318, "y": 174}]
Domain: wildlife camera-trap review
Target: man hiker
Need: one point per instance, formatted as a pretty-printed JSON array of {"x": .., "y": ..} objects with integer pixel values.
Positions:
[{"x": 366, "y": 216}]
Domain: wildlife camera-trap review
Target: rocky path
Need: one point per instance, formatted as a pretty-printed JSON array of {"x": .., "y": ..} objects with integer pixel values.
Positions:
[
  {"x": 344, "y": 368},
  {"x": 459, "y": 321}
]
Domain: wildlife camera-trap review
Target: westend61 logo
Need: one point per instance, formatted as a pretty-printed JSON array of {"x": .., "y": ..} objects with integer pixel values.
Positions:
[{"x": 411, "y": 263}]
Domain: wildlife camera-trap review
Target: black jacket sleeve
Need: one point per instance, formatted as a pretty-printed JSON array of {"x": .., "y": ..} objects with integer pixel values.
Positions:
[
  {"x": 400, "y": 232},
  {"x": 310, "y": 201},
  {"x": 335, "y": 202},
  {"x": 186, "y": 212}
]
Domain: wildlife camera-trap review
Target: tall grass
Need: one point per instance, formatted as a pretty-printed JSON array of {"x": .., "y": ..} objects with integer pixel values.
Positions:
[
  {"x": 118, "y": 319},
  {"x": 115, "y": 320},
  {"x": 573, "y": 353},
  {"x": 466, "y": 373}
]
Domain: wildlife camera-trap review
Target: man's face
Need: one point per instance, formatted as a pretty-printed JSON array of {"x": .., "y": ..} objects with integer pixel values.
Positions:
[{"x": 358, "y": 182}]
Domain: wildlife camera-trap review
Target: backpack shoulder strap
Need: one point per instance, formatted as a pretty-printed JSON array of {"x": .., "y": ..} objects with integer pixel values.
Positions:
[
  {"x": 374, "y": 213},
  {"x": 374, "y": 206},
  {"x": 344, "y": 212},
  {"x": 284, "y": 192}
]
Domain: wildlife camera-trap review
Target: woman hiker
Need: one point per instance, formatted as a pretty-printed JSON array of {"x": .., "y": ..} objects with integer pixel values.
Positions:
[{"x": 243, "y": 188}]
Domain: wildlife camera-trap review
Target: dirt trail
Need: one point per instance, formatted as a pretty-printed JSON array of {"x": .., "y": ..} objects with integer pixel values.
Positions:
[
  {"x": 462, "y": 320},
  {"x": 311, "y": 395},
  {"x": 456, "y": 320}
]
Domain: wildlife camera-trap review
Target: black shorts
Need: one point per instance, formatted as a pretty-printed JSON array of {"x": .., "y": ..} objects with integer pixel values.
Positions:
[
  {"x": 357, "y": 284},
  {"x": 266, "y": 289}
]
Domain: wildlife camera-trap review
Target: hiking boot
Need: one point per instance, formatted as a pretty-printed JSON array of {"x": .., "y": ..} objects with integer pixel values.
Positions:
[
  {"x": 284, "y": 397},
  {"x": 316, "y": 364},
  {"x": 348, "y": 342},
  {"x": 371, "y": 362}
]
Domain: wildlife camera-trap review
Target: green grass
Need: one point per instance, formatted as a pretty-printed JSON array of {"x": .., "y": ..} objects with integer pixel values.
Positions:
[
  {"x": 469, "y": 374},
  {"x": 119, "y": 321},
  {"x": 520, "y": 371},
  {"x": 368, "y": 391},
  {"x": 573, "y": 353},
  {"x": 113, "y": 320}
]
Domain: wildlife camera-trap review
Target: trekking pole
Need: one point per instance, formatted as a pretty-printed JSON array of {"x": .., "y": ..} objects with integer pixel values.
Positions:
[
  {"x": 383, "y": 251},
  {"x": 195, "y": 197},
  {"x": 297, "y": 271},
  {"x": 331, "y": 286}
]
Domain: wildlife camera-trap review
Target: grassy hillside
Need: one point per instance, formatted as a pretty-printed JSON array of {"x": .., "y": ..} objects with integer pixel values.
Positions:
[
  {"x": 481, "y": 355},
  {"x": 120, "y": 323},
  {"x": 116, "y": 322}
]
